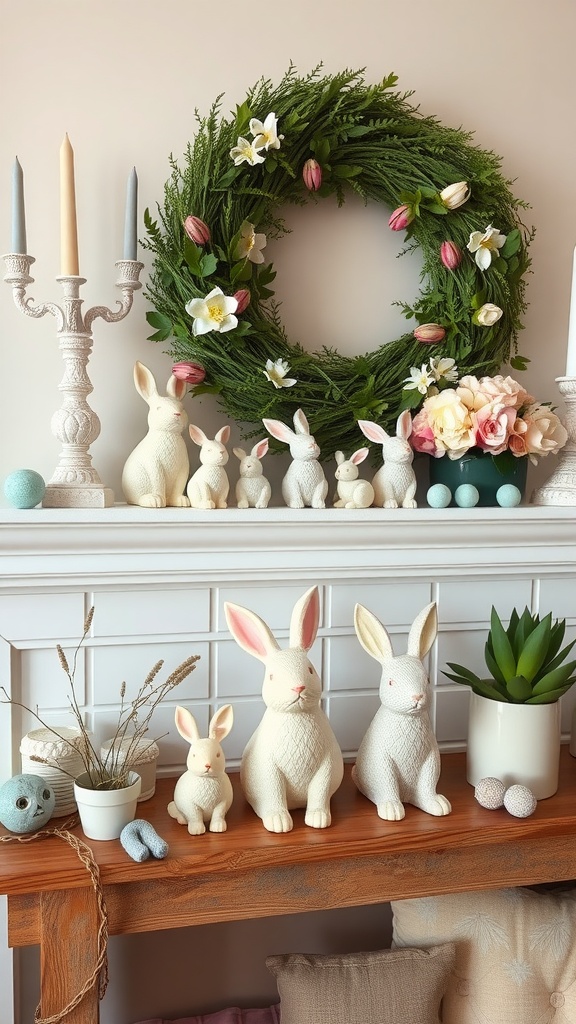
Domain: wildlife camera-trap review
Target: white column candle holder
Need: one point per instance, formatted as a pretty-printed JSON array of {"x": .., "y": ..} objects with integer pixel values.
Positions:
[
  {"x": 560, "y": 489},
  {"x": 75, "y": 482}
]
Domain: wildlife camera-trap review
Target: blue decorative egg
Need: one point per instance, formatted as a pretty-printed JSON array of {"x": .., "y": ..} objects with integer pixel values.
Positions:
[
  {"x": 439, "y": 496},
  {"x": 26, "y": 803},
  {"x": 508, "y": 496},
  {"x": 24, "y": 488},
  {"x": 466, "y": 496}
]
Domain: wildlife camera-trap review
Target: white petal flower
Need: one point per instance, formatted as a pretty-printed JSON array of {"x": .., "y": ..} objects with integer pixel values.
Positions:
[
  {"x": 276, "y": 373},
  {"x": 250, "y": 245},
  {"x": 484, "y": 244},
  {"x": 419, "y": 380},
  {"x": 266, "y": 135},
  {"x": 444, "y": 369},
  {"x": 244, "y": 150},
  {"x": 214, "y": 313},
  {"x": 487, "y": 315}
]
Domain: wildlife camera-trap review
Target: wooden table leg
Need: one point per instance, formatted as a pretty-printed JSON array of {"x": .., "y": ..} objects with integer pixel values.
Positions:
[{"x": 68, "y": 953}]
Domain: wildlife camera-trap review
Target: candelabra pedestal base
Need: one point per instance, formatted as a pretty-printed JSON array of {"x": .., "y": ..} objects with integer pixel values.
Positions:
[
  {"x": 560, "y": 489},
  {"x": 75, "y": 496}
]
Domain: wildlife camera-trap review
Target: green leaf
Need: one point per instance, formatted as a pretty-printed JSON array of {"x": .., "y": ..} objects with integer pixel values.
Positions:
[
  {"x": 243, "y": 117},
  {"x": 241, "y": 271},
  {"x": 410, "y": 399},
  {"x": 512, "y": 244},
  {"x": 533, "y": 655},
  {"x": 461, "y": 670},
  {"x": 519, "y": 689},
  {"x": 492, "y": 665},
  {"x": 502, "y": 648},
  {"x": 208, "y": 264},
  {"x": 549, "y": 698},
  {"x": 552, "y": 680},
  {"x": 478, "y": 299},
  {"x": 519, "y": 362},
  {"x": 227, "y": 178},
  {"x": 346, "y": 171},
  {"x": 161, "y": 323},
  {"x": 549, "y": 666},
  {"x": 192, "y": 255}
]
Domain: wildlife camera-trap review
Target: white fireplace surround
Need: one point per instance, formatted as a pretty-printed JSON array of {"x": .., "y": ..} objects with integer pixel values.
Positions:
[{"x": 158, "y": 580}]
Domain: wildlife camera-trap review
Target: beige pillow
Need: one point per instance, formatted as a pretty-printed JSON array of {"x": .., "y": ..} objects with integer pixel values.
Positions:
[
  {"x": 515, "y": 953},
  {"x": 403, "y": 986}
]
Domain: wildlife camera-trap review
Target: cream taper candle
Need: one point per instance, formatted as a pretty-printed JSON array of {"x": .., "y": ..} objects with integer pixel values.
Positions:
[
  {"x": 130, "y": 230},
  {"x": 571, "y": 353},
  {"x": 18, "y": 215},
  {"x": 68, "y": 227}
]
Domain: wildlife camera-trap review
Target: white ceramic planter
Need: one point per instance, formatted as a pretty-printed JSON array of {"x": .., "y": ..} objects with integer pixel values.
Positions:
[
  {"x": 514, "y": 743},
  {"x": 64, "y": 749},
  {"x": 105, "y": 812}
]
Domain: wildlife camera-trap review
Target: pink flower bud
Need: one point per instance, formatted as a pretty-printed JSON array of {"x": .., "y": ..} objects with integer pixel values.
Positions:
[
  {"x": 451, "y": 255},
  {"x": 193, "y": 373},
  {"x": 430, "y": 334},
  {"x": 312, "y": 174},
  {"x": 197, "y": 230},
  {"x": 242, "y": 297},
  {"x": 401, "y": 218}
]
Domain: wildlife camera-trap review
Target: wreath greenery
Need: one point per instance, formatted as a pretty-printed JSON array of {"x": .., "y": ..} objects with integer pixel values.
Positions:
[{"x": 366, "y": 139}]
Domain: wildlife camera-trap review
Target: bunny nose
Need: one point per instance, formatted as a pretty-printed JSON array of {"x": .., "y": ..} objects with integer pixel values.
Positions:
[
  {"x": 417, "y": 696},
  {"x": 298, "y": 689},
  {"x": 207, "y": 766}
]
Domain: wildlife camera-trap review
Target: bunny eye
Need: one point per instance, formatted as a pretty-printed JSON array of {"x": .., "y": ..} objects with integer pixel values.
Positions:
[
  {"x": 311, "y": 670},
  {"x": 271, "y": 676},
  {"x": 217, "y": 755},
  {"x": 390, "y": 681}
]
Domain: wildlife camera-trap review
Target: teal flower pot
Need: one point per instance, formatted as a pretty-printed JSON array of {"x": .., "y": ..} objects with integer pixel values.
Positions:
[{"x": 485, "y": 472}]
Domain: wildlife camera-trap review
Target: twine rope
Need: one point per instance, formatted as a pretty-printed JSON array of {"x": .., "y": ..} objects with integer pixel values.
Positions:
[{"x": 99, "y": 975}]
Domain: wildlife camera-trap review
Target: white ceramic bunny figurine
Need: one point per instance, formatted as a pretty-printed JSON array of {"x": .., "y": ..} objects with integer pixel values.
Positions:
[
  {"x": 293, "y": 758},
  {"x": 398, "y": 761},
  {"x": 352, "y": 492},
  {"x": 208, "y": 487},
  {"x": 395, "y": 482},
  {"x": 203, "y": 794},
  {"x": 304, "y": 483},
  {"x": 252, "y": 489},
  {"x": 156, "y": 471}
]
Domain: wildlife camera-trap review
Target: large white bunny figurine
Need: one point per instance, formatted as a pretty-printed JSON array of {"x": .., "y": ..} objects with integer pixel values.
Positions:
[
  {"x": 156, "y": 471},
  {"x": 208, "y": 487},
  {"x": 204, "y": 793},
  {"x": 352, "y": 492},
  {"x": 398, "y": 761},
  {"x": 293, "y": 758},
  {"x": 304, "y": 483},
  {"x": 252, "y": 489},
  {"x": 395, "y": 482}
]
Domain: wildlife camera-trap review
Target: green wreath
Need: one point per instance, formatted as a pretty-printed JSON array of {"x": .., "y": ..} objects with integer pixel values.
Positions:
[{"x": 307, "y": 138}]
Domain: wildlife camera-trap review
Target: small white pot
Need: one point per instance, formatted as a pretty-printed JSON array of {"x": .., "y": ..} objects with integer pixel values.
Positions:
[
  {"x": 105, "y": 812},
  {"x": 514, "y": 743}
]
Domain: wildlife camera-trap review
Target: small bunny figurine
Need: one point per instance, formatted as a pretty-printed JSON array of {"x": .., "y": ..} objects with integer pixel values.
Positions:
[
  {"x": 252, "y": 489},
  {"x": 204, "y": 792},
  {"x": 304, "y": 483},
  {"x": 395, "y": 482},
  {"x": 293, "y": 758},
  {"x": 398, "y": 761},
  {"x": 208, "y": 487},
  {"x": 352, "y": 492},
  {"x": 156, "y": 471}
]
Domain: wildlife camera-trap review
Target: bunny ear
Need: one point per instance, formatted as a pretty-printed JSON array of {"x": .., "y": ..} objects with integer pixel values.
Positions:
[
  {"x": 223, "y": 434},
  {"x": 186, "y": 725},
  {"x": 197, "y": 435},
  {"x": 339, "y": 456},
  {"x": 279, "y": 430},
  {"x": 176, "y": 388},
  {"x": 423, "y": 631},
  {"x": 305, "y": 620},
  {"x": 260, "y": 448},
  {"x": 359, "y": 456},
  {"x": 250, "y": 631},
  {"x": 221, "y": 723},
  {"x": 372, "y": 634},
  {"x": 239, "y": 453},
  {"x": 404, "y": 425},
  {"x": 373, "y": 431},
  {"x": 144, "y": 381},
  {"x": 300, "y": 422}
]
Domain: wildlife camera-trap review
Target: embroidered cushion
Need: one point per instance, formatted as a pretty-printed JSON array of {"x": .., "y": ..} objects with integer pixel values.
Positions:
[{"x": 403, "y": 986}]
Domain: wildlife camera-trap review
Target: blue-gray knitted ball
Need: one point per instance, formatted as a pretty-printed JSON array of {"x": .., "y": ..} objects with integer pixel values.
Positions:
[
  {"x": 26, "y": 803},
  {"x": 24, "y": 488}
]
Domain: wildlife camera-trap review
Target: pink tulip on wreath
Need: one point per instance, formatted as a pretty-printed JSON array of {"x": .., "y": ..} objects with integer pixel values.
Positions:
[
  {"x": 242, "y": 297},
  {"x": 401, "y": 218},
  {"x": 192, "y": 373},
  {"x": 451, "y": 255},
  {"x": 197, "y": 230},
  {"x": 430, "y": 334},
  {"x": 312, "y": 175}
]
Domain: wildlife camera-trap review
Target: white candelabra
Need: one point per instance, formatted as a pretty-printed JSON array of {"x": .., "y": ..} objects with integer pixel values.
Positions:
[{"x": 75, "y": 483}]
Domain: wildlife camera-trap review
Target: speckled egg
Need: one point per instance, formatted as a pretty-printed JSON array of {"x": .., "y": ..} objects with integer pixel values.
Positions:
[
  {"x": 508, "y": 496},
  {"x": 439, "y": 496},
  {"x": 24, "y": 488},
  {"x": 466, "y": 496},
  {"x": 520, "y": 801},
  {"x": 490, "y": 793},
  {"x": 26, "y": 803}
]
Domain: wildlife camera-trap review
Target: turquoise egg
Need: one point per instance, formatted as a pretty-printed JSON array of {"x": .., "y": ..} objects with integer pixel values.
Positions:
[
  {"x": 439, "y": 496},
  {"x": 466, "y": 496},
  {"x": 24, "y": 488},
  {"x": 26, "y": 803},
  {"x": 508, "y": 496}
]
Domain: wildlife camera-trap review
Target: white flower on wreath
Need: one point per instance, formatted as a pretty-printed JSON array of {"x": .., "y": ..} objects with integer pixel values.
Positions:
[
  {"x": 214, "y": 313},
  {"x": 244, "y": 150},
  {"x": 487, "y": 315},
  {"x": 484, "y": 244},
  {"x": 419, "y": 379},
  {"x": 250, "y": 244},
  {"x": 266, "y": 134},
  {"x": 276, "y": 373},
  {"x": 444, "y": 369}
]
